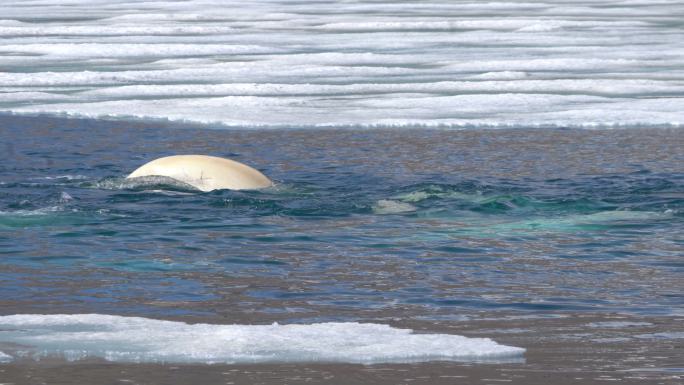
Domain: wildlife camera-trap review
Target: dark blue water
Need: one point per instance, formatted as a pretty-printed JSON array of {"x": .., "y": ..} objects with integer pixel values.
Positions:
[{"x": 362, "y": 224}]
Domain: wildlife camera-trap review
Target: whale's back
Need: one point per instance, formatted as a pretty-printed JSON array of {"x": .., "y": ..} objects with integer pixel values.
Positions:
[{"x": 205, "y": 173}]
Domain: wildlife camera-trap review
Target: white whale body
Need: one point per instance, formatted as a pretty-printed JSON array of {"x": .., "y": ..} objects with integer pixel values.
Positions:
[{"x": 206, "y": 173}]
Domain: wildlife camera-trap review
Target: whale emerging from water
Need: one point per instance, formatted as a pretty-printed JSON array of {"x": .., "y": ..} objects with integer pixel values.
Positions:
[{"x": 206, "y": 173}]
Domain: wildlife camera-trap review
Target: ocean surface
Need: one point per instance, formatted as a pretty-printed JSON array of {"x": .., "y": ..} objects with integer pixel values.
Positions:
[
  {"x": 379, "y": 226},
  {"x": 458, "y": 186}
]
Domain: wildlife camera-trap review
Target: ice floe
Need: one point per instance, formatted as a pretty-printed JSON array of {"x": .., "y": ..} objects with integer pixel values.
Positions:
[
  {"x": 136, "y": 339},
  {"x": 358, "y": 64}
]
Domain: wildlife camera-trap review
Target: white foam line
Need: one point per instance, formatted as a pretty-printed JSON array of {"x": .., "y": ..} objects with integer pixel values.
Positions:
[
  {"x": 136, "y": 339},
  {"x": 115, "y": 30},
  {"x": 563, "y": 86},
  {"x": 400, "y": 110},
  {"x": 33, "y": 96},
  {"x": 285, "y": 68},
  {"x": 490, "y": 24},
  {"x": 202, "y": 74},
  {"x": 37, "y": 212},
  {"x": 617, "y": 324},
  {"x": 128, "y": 50}
]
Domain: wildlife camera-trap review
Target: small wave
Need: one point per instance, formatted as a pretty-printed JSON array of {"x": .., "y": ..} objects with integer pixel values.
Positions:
[
  {"x": 568, "y": 223},
  {"x": 66, "y": 177},
  {"x": 440, "y": 192},
  {"x": 30, "y": 213},
  {"x": 617, "y": 324},
  {"x": 137, "y": 339},
  {"x": 476, "y": 200},
  {"x": 664, "y": 335},
  {"x": 44, "y": 216},
  {"x": 155, "y": 183}
]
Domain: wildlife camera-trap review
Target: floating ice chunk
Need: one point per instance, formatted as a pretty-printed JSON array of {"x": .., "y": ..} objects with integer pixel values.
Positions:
[
  {"x": 4, "y": 358},
  {"x": 136, "y": 339},
  {"x": 386, "y": 206}
]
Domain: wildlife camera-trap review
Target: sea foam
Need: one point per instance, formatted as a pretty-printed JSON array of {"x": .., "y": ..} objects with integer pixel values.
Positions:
[{"x": 136, "y": 339}]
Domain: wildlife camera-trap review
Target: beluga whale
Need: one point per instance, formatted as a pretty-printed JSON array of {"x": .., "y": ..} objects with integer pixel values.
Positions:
[{"x": 205, "y": 173}]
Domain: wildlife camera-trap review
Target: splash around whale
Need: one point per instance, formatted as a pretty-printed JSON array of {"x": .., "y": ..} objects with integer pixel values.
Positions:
[{"x": 206, "y": 173}]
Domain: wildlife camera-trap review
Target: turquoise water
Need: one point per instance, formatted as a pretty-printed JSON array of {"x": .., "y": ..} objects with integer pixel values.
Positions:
[{"x": 361, "y": 224}]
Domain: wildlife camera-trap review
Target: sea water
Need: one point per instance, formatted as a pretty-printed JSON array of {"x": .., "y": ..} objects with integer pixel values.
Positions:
[
  {"x": 382, "y": 211},
  {"x": 436, "y": 225}
]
